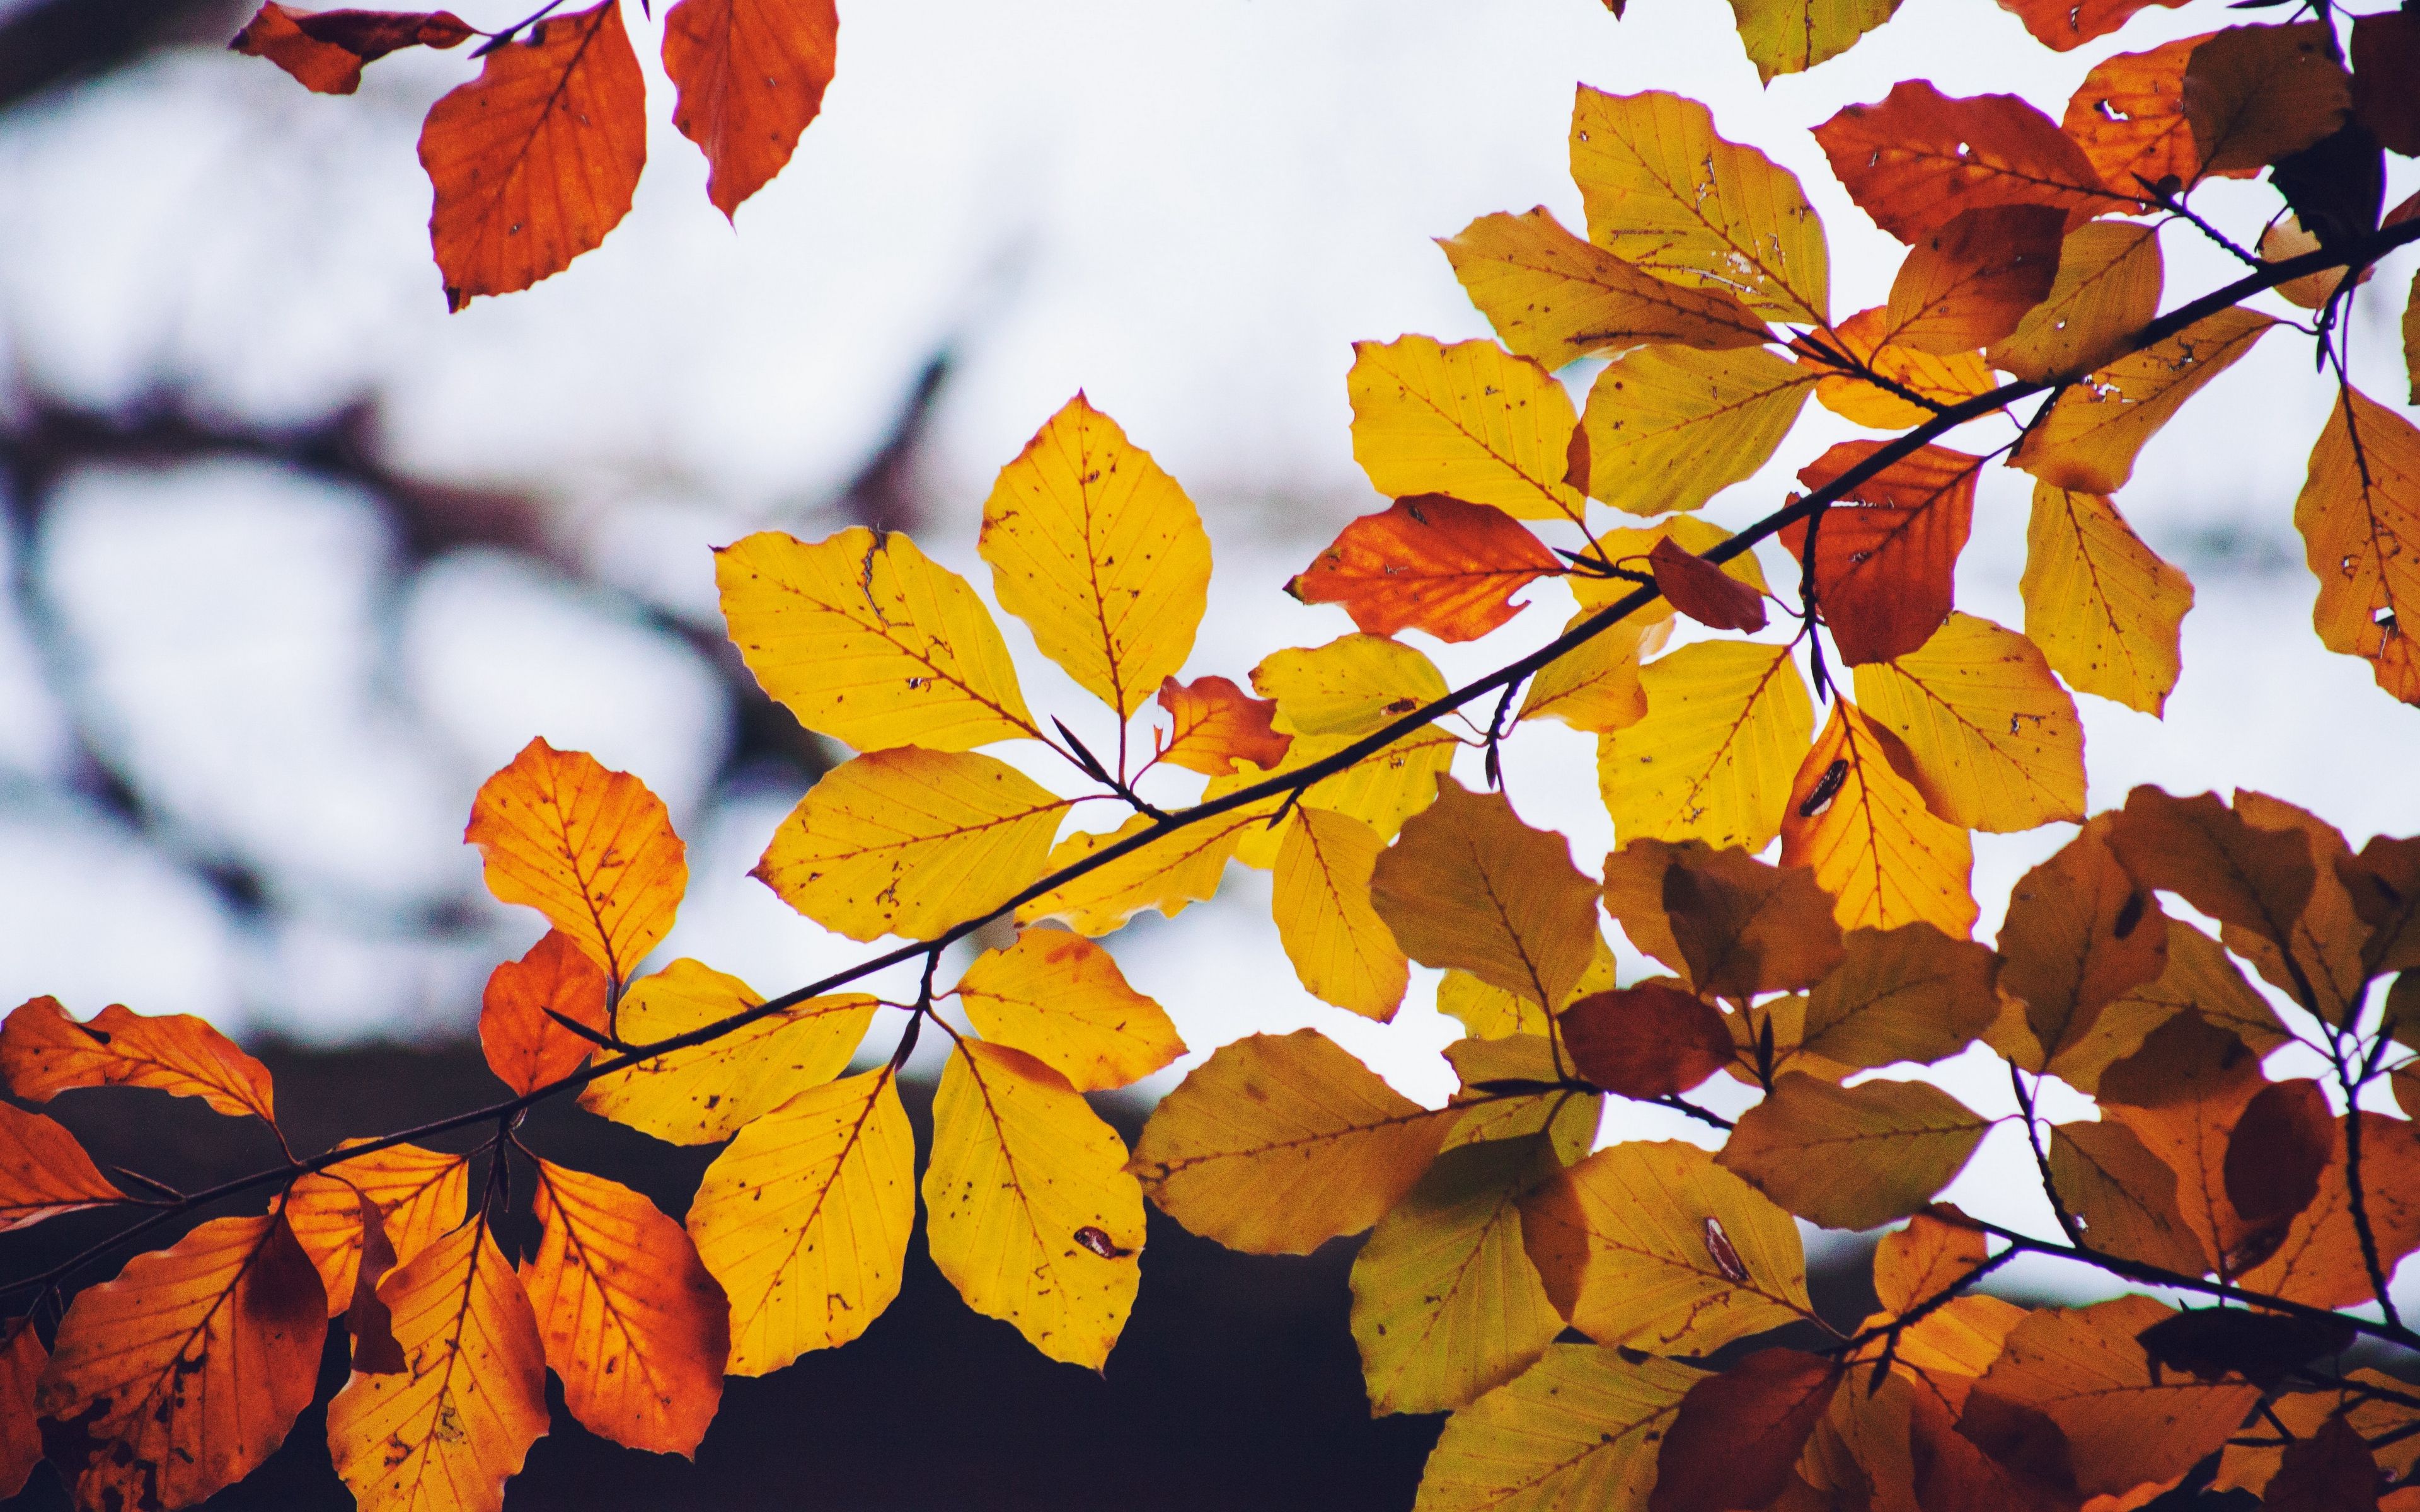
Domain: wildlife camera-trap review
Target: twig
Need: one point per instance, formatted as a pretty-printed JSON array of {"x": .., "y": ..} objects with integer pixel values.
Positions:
[{"x": 2067, "y": 1223}]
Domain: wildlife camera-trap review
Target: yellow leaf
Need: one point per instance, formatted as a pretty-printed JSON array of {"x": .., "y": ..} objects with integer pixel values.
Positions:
[
  {"x": 631, "y": 1321},
  {"x": 2089, "y": 439},
  {"x": 1580, "y": 1428},
  {"x": 1906, "y": 994},
  {"x": 1669, "y": 428},
  {"x": 2103, "y": 607},
  {"x": 1446, "y": 1304},
  {"x": 447, "y": 1432},
  {"x": 186, "y": 1372},
  {"x": 1728, "y": 723},
  {"x": 1490, "y": 1013},
  {"x": 1656, "y": 1246},
  {"x": 1853, "y": 1157},
  {"x": 1594, "y": 686},
  {"x": 911, "y": 843},
  {"x": 421, "y": 1194},
  {"x": 1567, "y": 1117},
  {"x": 1866, "y": 337},
  {"x": 1382, "y": 790},
  {"x": 1061, "y": 999},
  {"x": 590, "y": 848},
  {"x": 804, "y": 1219},
  {"x": 1167, "y": 874},
  {"x": 705, "y": 1093},
  {"x": 1554, "y": 298},
  {"x": 1470, "y": 420},
  {"x": 1100, "y": 554},
  {"x": 1341, "y": 950},
  {"x": 1993, "y": 739},
  {"x": 1278, "y": 1143},
  {"x": 2358, "y": 513},
  {"x": 1863, "y": 830},
  {"x": 1349, "y": 688},
  {"x": 1469, "y": 886},
  {"x": 2107, "y": 289},
  {"x": 45, "y": 1052},
  {"x": 1664, "y": 192},
  {"x": 1792, "y": 36},
  {"x": 866, "y": 640},
  {"x": 1031, "y": 1213}
]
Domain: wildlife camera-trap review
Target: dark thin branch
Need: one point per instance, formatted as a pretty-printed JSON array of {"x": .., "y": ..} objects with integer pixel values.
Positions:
[
  {"x": 2357, "y": 1200},
  {"x": 2067, "y": 1223},
  {"x": 1682, "y": 1104},
  {"x": 594, "y": 1037},
  {"x": 1866, "y": 372}
]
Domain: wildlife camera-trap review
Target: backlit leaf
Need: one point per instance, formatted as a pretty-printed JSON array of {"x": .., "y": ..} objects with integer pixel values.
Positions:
[
  {"x": 1649, "y": 1040},
  {"x": 1868, "y": 342},
  {"x": 590, "y": 848},
  {"x": 1446, "y": 1304},
  {"x": 1792, "y": 36},
  {"x": 2255, "y": 94},
  {"x": 1670, "y": 427},
  {"x": 1029, "y": 1210},
  {"x": 1726, "y": 722},
  {"x": 2278, "y": 1148},
  {"x": 22, "y": 1360},
  {"x": 1351, "y": 687},
  {"x": 1656, "y": 1246},
  {"x": 2249, "y": 1468},
  {"x": 325, "y": 49},
  {"x": 1664, "y": 192},
  {"x": 1169, "y": 874},
  {"x": 1469, "y": 420},
  {"x": 1738, "y": 1433},
  {"x": 751, "y": 74},
  {"x": 1886, "y": 552},
  {"x": 1703, "y": 592},
  {"x": 2094, "y": 430},
  {"x": 1342, "y": 951},
  {"x": 536, "y": 158},
  {"x": 1214, "y": 725},
  {"x": 2180, "y": 1096},
  {"x": 1919, "y": 159},
  {"x": 44, "y": 1053},
  {"x": 2318, "y": 1261},
  {"x": 2329, "y": 1470},
  {"x": 911, "y": 843},
  {"x": 525, "y": 1046},
  {"x": 2129, "y": 117},
  {"x": 804, "y": 1219},
  {"x": 2285, "y": 241},
  {"x": 1493, "y": 1109},
  {"x": 1907, "y": 994},
  {"x": 1278, "y": 1143},
  {"x": 1994, "y": 740},
  {"x": 447, "y": 1432},
  {"x": 2102, "y": 605},
  {"x": 2199, "y": 977},
  {"x": 44, "y": 1172},
  {"x": 1428, "y": 563},
  {"x": 2123, "y": 1194},
  {"x": 1577, "y": 1429},
  {"x": 2359, "y": 513},
  {"x": 2247, "y": 877},
  {"x": 2107, "y": 289},
  {"x": 420, "y": 1194},
  {"x": 1968, "y": 284},
  {"x": 2080, "y": 934},
  {"x": 1862, "y": 827},
  {"x": 1469, "y": 886},
  {"x": 184, "y": 1373},
  {"x": 704, "y": 1093},
  {"x": 1928, "y": 1257},
  {"x": 2067, "y": 25},
  {"x": 1556, "y": 298},
  {"x": 1096, "y": 547},
  {"x": 1853, "y": 1157},
  {"x": 1737, "y": 926},
  {"x": 631, "y": 1321},
  {"x": 1631, "y": 546},
  {"x": 866, "y": 640},
  {"x": 1595, "y": 687},
  {"x": 1061, "y": 999},
  {"x": 1490, "y": 1013}
]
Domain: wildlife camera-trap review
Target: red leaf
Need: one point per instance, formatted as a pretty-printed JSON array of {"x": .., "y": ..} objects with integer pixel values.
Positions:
[
  {"x": 1703, "y": 591},
  {"x": 1645, "y": 1042},
  {"x": 525, "y": 1045},
  {"x": 1429, "y": 563},
  {"x": 1737, "y": 1435},
  {"x": 1919, "y": 159},
  {"x": 326, "y": 49},
  {"x": 751, "y": 74},
  {"x": 2283, "y": 1141},
  {"x": 2332, "y": 1471},
  {"x": 1887, "y": 552},
  {"x": 2065, "y": 25}
]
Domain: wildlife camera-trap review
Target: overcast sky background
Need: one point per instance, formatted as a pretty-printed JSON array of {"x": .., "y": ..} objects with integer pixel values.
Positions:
[{"x": 1188, "y": 211}]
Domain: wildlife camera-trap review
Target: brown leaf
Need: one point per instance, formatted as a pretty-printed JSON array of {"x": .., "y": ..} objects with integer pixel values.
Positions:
[
  {"x": 1887, "y": 553},
  {"x": 43, "y": 1053},
  {"x": 2317, "y": 1258},
  {"x": 21, "y": 1359},
  {"x": 2385, "y": 63},
  {"x": 525, "y": 1046},
  {"x": 2205, "y": 852},
  {"x": 1737, "y": 1434},
  {"x": 2281, "y": 1144},
  {"x": 536, "y": 158},
  {"x": 2080, "y": 934},
  {"x": 1968, "y": 284},
  {"x": 1703, "y": 591},
  {"x": 2181, "y": 1095},
  {"x": 2383, "y": 885},
  {"x": 1428, "y": 563},
  {"x": 44, "y": 1172},
  {"x": 751, "y": 74},
  {"x": 2255, "y": 94},
  {"x": 1853, "y": 1157},
  {"x": 1919, "y": 159},
  {"x": 2332, "y": 1471},
  {"x": 2124, "y": 1196},
  {"x": 1737, "y": 925},
  {"x": 1906, "y": 994},
  {"x": 1647, "y": 1042},
  {"x": 325, "y": 49},
  {"x": 1926, "y": 1259},
  {"x": 366, "y": 1317}
]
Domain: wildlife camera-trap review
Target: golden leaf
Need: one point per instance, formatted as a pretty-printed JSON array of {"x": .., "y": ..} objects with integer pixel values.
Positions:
[
  {"x": 1669, "y": 428},
  {"x": 1061, "y": 999},
  {"x": 2107, "y": 289},
  {"x": 2104, "y": 608},
  {"x": 421, "y": 1196},
  {"x": 2089, "y": 439},
  {"x": 1728, "y": 722},
  {"x": 1792, "y": 36},
  {"x": 1556, "y": 298},
  {"x": 1167, "y": 874},
  {"x": 1863, "y": 828},
  {"x": 1853, "y": 1157},
  {"x": 2358, "y": 513},
  {"x": 1341, "y": 950},
  {"x": 1580, "y": 1428},
  {"x": 1469, "y": 420},
  {"x": 1993, "y": 739}
]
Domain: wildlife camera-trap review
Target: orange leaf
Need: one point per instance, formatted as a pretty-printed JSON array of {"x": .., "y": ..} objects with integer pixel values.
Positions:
[
  {"x": 2318, "y": 1259},
  {"x": 2080, "y": 934},
  {"x": 2279, "y": 1146},
  {"x": 44, "y": 1172},
  {"x": 2330, "y": 1471},
  {"x": 183, "y": 1374},
  {"x": 326, "y": 49},
  {"x": 526, "y": 1048},
  {"x": 633, "y": 1323},
  {"x": 421, "y": 1196},
  {"x": 1429, "y": 563},
  {"x": 2125, "y": 1196},
  {"x": 1919, "y": 159},
  {"x": 1649, "y": 1040},
  {"x": 2065, "y": 25},
  {"x": 1868, "y": 340},
  {"x": 2255, "y": 94},
  {"x": 1213, "y": 725},
  {"x": 2180, "y": 1095},
  {"x": 44, "y": 1053},
  {"x": 2129, "y": 117},
  {"x": 1703, "y": 591},
  {"x": 535, "y": 160},
  {"x": 1859, "y": 824},
  {"x": 1737, "y": 1434},
  {"x": 21, "y": 1359},
  {"x": 2359, "y": 516},
  {"x": 1924, "y": 1260},
  {"x": 1968, "y": 284},
  {"x": 1887, "y": 553},
  {"x": 751, "y": 74},
  {"x": 591, "y": 849}
]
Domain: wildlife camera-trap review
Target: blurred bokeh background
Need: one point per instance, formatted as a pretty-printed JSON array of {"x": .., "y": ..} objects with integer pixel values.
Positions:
[{"x": 291, "y": 558}]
